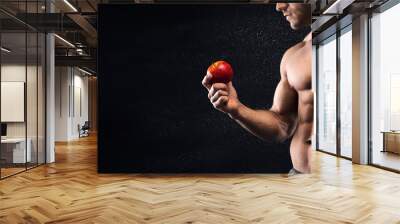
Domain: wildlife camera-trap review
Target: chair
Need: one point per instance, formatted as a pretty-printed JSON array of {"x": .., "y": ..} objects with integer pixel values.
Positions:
[{"x": 84, "y": 130}]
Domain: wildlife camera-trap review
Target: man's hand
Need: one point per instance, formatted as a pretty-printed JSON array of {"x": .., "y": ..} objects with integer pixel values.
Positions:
[{"x": 222, "y": 96}]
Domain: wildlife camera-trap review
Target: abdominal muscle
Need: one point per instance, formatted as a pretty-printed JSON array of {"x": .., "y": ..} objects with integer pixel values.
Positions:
[{"x": 300, "y": 147}]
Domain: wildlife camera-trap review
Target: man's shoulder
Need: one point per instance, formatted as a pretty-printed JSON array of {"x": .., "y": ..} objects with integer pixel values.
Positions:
[
  {"x": 295, "y": 48},
  {"x": 300, "y": 45},
  {"x": 293, "y": 53},
  {"x": 292, "y": 50}
]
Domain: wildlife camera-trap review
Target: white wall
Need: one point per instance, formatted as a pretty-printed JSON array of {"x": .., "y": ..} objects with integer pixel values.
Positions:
[
  {"x": 17, "y": 72},
  {"x": 14, "y": 72},
  {"x": 62, "y": 81},
  {"x": 80, "y": 103},
  {"x": 70, "y": 83}
]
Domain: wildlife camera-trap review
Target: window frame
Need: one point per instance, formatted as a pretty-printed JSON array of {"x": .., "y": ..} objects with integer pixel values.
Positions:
[{"x": 335, "y": 36}]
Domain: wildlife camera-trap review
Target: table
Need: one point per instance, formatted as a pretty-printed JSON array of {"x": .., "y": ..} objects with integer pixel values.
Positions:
[
  {"x": 391, "y": 141},
  {"x": 13, "y": 150}
]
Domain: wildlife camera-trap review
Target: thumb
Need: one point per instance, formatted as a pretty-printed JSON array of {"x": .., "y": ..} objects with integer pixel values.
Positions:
[{"x": 230, "y": 85}]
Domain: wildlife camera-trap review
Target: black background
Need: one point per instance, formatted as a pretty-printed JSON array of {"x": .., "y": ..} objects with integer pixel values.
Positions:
[{"x": 154, "y": 114}]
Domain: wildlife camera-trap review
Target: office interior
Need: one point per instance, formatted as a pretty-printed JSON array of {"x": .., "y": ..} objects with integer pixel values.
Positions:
[
  {"x": 45, "y": 84},
  {"x": 334, "y": 74},
  {"x": 49, "y": 85}
]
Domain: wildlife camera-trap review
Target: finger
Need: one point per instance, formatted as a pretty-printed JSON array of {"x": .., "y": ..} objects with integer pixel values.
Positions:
[
  {"x": 215, "y": 87},
  {"x": 221, "y": 102},
  {"x": 217, "y": 95},
  {"x": 207, "y": 81}
]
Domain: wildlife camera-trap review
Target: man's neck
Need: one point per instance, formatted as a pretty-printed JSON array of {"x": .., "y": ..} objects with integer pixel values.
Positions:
[{"x": 308, "y": 37}]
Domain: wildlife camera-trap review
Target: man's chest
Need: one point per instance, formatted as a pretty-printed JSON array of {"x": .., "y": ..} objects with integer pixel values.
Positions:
[{"x": 298, "y": 69}]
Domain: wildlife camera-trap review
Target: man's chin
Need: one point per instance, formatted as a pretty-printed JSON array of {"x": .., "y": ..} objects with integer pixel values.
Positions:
[{"x": 295, "y": 26}]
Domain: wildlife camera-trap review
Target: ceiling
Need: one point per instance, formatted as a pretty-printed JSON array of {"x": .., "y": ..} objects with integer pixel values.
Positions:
[
  {"x": 72, "y": 20},
  {"x": 76, "y": 22}
]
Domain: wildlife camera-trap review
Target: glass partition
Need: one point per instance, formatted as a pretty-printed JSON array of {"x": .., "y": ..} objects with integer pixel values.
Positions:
[
  {"x": 34, "y": 64},
  {"x": 22, "y": 88},
  {"x": 15, "y": 153},
  {"x": 32, "y": 95}
]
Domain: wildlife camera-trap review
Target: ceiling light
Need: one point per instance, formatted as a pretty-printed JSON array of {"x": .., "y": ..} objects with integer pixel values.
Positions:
[
  {"x": 337, "y": 7},
  {"x": 84, "y": 71},
  {"x": 65, "y": 41},
  {"x": 70, "y": 5},
  {"x": 5, "y": 50}
]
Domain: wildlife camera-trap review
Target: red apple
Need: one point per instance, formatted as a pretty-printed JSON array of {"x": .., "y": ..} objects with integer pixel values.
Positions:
[{"x": 221, "y": 71}]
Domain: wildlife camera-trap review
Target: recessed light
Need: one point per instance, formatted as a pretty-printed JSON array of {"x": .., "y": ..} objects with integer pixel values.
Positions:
[
  {"x": 5, "y": 50},
  {"x": 84, "y": 71},
  {"x": 70, "y": 5},
  {"x": 64, "y": 40}
]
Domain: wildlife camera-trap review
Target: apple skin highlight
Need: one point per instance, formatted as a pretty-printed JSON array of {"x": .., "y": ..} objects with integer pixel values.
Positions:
[{"x": 221, "y": 72}]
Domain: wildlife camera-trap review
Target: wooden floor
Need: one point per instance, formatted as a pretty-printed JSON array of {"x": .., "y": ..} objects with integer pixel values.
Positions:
[
  {"x": 70, "y": 191},
  {"x": 388, "y": 159},
  {"x": 5, "y": 172}
]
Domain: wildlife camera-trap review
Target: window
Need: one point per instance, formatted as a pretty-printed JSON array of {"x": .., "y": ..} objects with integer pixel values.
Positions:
[
  {"x": 345, "y": 93},
  {"x": 326, "y": 90},
  {"x": 385, "y": 89}
]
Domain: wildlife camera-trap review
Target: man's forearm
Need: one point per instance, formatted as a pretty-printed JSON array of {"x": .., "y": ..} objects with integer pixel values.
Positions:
[{"x": 265, "y": 124}]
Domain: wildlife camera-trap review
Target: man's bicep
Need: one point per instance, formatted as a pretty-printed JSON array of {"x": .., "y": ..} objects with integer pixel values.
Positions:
[{"x": 285, "y": 99}]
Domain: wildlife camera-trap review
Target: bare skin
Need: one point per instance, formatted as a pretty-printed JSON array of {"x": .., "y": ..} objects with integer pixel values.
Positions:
[{"x": 291, "y": 114}]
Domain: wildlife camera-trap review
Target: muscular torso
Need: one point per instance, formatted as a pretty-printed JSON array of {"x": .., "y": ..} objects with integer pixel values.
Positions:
[{"x": 298, "y": 73}]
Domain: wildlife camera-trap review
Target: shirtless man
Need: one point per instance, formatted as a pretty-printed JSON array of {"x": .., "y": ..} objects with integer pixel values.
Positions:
[{"x": 292, "y": 111}]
